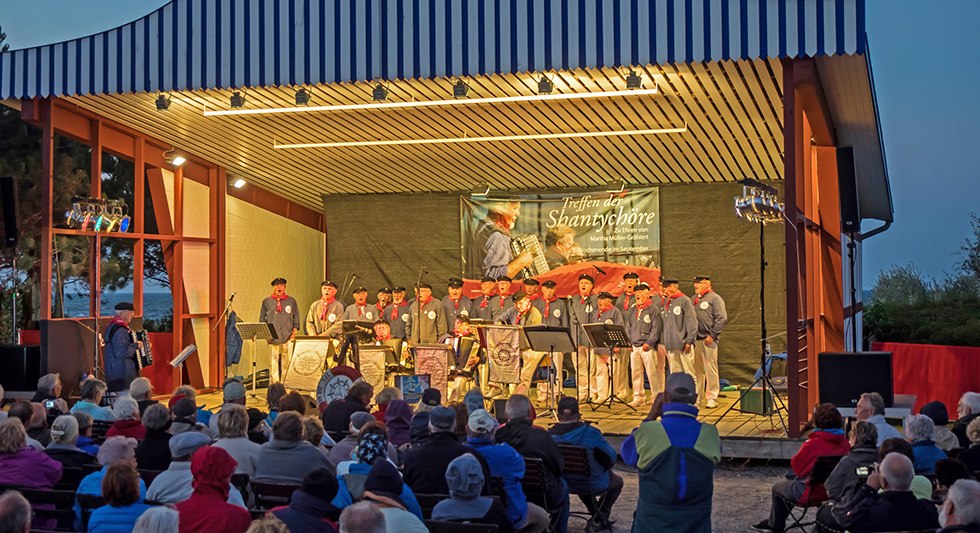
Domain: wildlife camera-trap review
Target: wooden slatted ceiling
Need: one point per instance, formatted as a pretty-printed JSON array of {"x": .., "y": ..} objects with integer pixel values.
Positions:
[{"x": 732, "y": 110}]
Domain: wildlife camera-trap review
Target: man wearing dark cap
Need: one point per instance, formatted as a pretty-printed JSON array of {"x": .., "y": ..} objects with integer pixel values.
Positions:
[
  {"x": 644, "y": 323},
  {"x": 480, "y": 307},
  {"x": 425, "y": 465},
  {"x": 325, "y": 318},
  {"x": 627, "y": 298},
  {"x": 607, "y": 313},
  {"x": 502, "y": 300},
  {"x": 119, "y": 354},
  {"x": 397, "y": 313},
  {"x": 360, "y": 310},
  {"x": 309, "y": 506},
  {"x": 280, "y": 311},
  {"x": 524, "y": 314},
  {"x": 582, "y": 307},
  {"x": 680, "y": 329},
  {"x": 384, "y": 300},
  {"x": 533, "y": 289},
  {"x": 554, "y": 313},
  {"x": 426, "y": 318},
  {"x": 455, "y": 304},
  {"x": 709, "y": 308}
]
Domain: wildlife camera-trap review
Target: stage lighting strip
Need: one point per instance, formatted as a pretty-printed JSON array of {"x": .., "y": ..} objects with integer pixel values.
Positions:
[
  {"x": 497, "y": 138},
  {"x": 431, "y": 103}
]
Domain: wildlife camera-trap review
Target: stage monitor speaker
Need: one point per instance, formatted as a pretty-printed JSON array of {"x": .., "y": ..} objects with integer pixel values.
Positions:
[
  {"x": 850, "y": 199},
  {"x": 8, "y": 198},
  {"x": 844, "y": 376},
  {"x": 21, "y": 367},
  {"x": 754, "y": 402}
]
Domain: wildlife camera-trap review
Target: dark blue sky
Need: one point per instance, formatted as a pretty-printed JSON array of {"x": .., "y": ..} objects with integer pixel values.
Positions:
[{"x": 927, "y": 76}]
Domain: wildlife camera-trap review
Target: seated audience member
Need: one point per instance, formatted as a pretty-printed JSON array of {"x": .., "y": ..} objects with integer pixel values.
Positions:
[
  {"x": 314, "y": 434},
  {"x": 92, "y": 392},
  {"x": 233, "y": 393},
  {"x": 530, "y": 441},
  {"x": 38, "y": 428},
  {"x": 24, "y": 411},
  {"x": 294, "y": 402},
  {"x": 123, "y": 505},
  {"x": 267, "y": 524},
  {"x": 153, "y": 452},
  {"x": 85, "y": 441},
  {"x": 287, "y": 457},
  {"x": 425, "y": 465},
  {"x": 185, "y": 418},
  {"x": 336, "y": 417},
  {"x": 158, "y": 519},
  {"x": 968, "y": 410},
  {"x": 186, "y": 391},
  {"x": 921, "y": 486},
  {"x": 141, "y": 390},
  {"x": 49, "y": 389},
  {"x": 273, "y": 396},
  {"x": 22, "y": 465},
  {"x": 174, "y": 485},
  {"x": 3, "y": 414},
  {"x": 419, "y": 425},
  {"x": 258, "y": 430},
  {"x": 115, "y": 450},
  {"x": 893, "y": 509},
  {"x": 871, "y": 408},
  {"x": 827, "y": 439},
  {"x": 344, "y": 450},
  {"x": 659, "y": 449},
  {"x": 919, "y": 430},
  {"x": 398, "y": 420},
  {"x": 15, "y": 511},
  {"x": 462, "y": 415},
  {"x": 943, "y": 437},
  {"x": 507, "y": 464},
  {"x": 949, "y": 471},
  {"x": 128, "y": 422},
  {"x": 362, "y": 517},
  {"x": 847, "y": 476},
  {"x": 381, "y": 401},
  {"x": 351, "y": 475},
  {"x": 232, "y": 426},
  {"x": 64, "y": 435},
  {"x": 473, "y": 400},
  {"x": 971, "y": 455},
  {"x": 961, "y": 509},
  {"x": 207, "y": 508},
  {"x": 384, "y": 488},
  {"x": 309, "y": 507},
  {"x": 602, "y": 457},
  {"x": 465, "y": 479}
]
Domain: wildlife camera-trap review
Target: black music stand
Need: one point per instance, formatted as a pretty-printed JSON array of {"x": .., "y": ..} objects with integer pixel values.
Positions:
[
  {"x": 254, "y": 331},
  {"x": 550, "y": 339},
  {"x": 355, "y": 332},
  {"x": 609, "y": 336}
]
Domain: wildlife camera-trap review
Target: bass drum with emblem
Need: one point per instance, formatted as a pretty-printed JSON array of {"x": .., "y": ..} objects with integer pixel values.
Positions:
[{"x": 335, "y": 383}]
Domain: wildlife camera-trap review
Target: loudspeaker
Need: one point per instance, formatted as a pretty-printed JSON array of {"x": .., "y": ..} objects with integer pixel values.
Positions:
[
  {"x": 498, "y": 410},
  {"x": 8, "y": 198},
  {"x": 844, "y": 376},
  {"x": 21, "y": 367},
  {"x": 850, "y": 199},
  {"x": 754, "y": 402}
]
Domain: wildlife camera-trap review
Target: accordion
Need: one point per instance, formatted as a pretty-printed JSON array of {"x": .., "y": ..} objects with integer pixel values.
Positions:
[
  {"x": 144, "y": 350},
  {"x": 529, "y": 242}
]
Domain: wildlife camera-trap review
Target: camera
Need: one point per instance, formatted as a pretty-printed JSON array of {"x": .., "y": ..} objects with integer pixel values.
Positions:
[{"x": 50, "y": 404}]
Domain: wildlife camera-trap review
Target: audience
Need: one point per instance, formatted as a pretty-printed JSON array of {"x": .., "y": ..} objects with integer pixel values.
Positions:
[
  {"x": 123, "y": 505},
  {"x": 949, "y": 471},
  {"x": 351, "y": 475},
  {"x": 473, "y": 400},
  {"x": 153, "y": 452},
  {"x": 462, "y": 415},
  {"x": 961, "y": 510},
  {"x": 127, "y": 423},
  {"x": 49, "y": 389},
  {"x": 232, "y": 427},
  {"x": 336, "y": 417},
  {"x": 314, "y": 434},
  {"x": 24, "y": 412},
  {"x": 234, "y": 394},
  {"x": 37, "y": 428},
  {"x": 85, "y": 441},
  {"x": 399, "y": 420},
  {"x": 343, "y": 450},
  {"x": 971, "y": 455},
  {"x": 158, "y": 519},
  {"x": 309, "y": 507},
  {"x": 186, "y": 391},
  {"x": 919, "y": 430},
  {"x": 362, "y": 517},
  {"x": 895, "y": 508},
  {"x": 207, "y": 508},
  {"x": 921, "y": 486},
  {"x": 15, "y": 512},
  {"x": 425, "y": 465},
  {"x": 505, "y": 463},
  {"x": 185, "y": 418},
  {"x": 863, "y": 453},
  {"x": 91, "y": 393},
  {"x": 293, "y": 401},
  {"x": 22, "y": 465},
  {"x": 115, "y": 450},
  {"x": 64, "y": 435},
  {"x": 267, "y": 524},
  {"x": 273, "y": 396},
  {"x": 258, "y": 429},
  {"x": 287, "y": 457},
  {"x": 381, "y": 401},
  {"x": 173, "y": 485},
  {"x": 871, "y": 408},
  {"x": 602, "y": 457},
  {"x": 968, "y": 410},
  {"x": 141, "y": 390},
  {"x": 659, "y": 449},
  {"x": 419, "y": 425},
  {"x": 943, "y": 437},
  {"x": 384, "y": 488},
  {"x": 465, "y": 479}
]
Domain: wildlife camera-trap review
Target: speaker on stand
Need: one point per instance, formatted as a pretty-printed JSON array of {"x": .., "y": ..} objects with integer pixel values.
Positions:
[{"x": 850, "y": 223}]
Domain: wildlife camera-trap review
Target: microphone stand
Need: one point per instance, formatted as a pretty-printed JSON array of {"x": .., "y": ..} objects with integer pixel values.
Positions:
[{"x": 347, "y": 284}]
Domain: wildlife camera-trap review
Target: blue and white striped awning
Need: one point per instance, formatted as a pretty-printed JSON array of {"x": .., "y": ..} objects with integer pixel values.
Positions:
[{"x": 205, "y": 44}]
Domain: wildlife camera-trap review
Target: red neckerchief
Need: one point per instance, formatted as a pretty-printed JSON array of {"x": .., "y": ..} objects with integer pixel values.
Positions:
[
  {"x": 486, "y": 300},
  {"x": 503, "y": 299},
  {"x": 641, "y": 307},
  {"x": 279, "y": 300},
  {"x": 394, "y": 309},
  {"x": 534, "y": 297},
  {"x": 669, "y": 299},
  {"x": 601, "y": 312},
  {"x": 424, "y": 303},
  {"x": 360, "y": 309},
  {"x": 697, "y": 297},
  {"x": 582, "y": 299},
  {"x": 520, "y": 314},
  {"x": 626, "y": 302},
  {"x": 380, "y": 309},
  {"x": 118, "y": 321},
  {"x": 324, "y": 306},
  {"x": 547, "y": 305},
  {"x": 455, "y": 302}
]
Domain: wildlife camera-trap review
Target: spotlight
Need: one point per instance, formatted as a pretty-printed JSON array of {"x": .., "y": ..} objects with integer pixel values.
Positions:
[
  {"x": 237, "y": 100},
  {"x": 380, "y": 93},
  {"x": 124, "y": 224},
  {"x": 460, "y": 89},
  {"x": 759, "y": 203},
  {"x": 173, "y": 158},
  {"x": 545, "y": 85},
  {"x": 634, "y": 80},
  {"x": 178, "y": 160},
  {"x": 163, "y": 103},
  {"x": 238, "y": 183},
  {"x": 481, "y": 190},
  {"x": 302, "y": 97},
  {"x": 616, "y": 186}
]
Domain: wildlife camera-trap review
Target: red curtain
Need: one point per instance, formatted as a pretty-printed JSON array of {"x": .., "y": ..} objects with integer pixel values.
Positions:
[{"x": 933, "y": 372}]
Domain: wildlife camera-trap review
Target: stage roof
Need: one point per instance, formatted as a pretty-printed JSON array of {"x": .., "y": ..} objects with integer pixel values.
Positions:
[{"x": 716, "y": 65}]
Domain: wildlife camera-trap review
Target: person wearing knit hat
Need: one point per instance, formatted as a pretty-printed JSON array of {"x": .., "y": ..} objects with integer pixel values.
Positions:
[
  {"x": 384, "y": 487},
  {"x": 233, "y": 392},
  {"x": 206, "y": 508},
  {"x": 943, "y": 437},
  {"x": 114, "y": 450},
  {"x": 280, "y": 311},
  {"x": 465, "y": 479},
  {"x": 309, "y": 507},
  {"x": 371, "y": 450},
  {"x": 185, "y": 417}
]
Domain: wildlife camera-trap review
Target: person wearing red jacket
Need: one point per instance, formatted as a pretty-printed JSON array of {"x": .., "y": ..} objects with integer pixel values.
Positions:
[
  {"x": 827, "y": 439},
  {"x": 208, "y": 509}
]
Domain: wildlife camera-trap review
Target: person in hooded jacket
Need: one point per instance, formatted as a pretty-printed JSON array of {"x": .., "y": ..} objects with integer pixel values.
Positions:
[
  {"x": 309, "y": 507},
  {"x": 465, "y": 479},
  {"x": 352, "y": 475},
  {"x": 398, "y": 419},
  {"x": 863, "y": 454},
  {"x": 207, "y": 509},
  {"x": 385, "y": 489}
]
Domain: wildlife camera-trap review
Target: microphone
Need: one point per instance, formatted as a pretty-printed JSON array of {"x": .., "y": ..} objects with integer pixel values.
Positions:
[
  {"x": 232, "y": 297},
  {"x": 353, "y": 275},
  {"x": 599, "y": 270}
]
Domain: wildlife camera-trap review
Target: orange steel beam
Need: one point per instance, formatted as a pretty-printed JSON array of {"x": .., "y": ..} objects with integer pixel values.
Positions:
[{"x": 43, "y": 108}]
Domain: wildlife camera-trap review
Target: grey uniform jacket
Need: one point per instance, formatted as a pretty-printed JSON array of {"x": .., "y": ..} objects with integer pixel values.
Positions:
[
  {"x": 397, "y": 315},
  {"x": 553, "y": 314},
  {"x": 283, "y": 322},
  {"x": 368, "y": 313},
  {"x": 609, "y": 316},
  {"x": 332, "y": 322},
  {"x": 427, "y": 325},
  {"x": 582, "y": 309},
  {"x": 511, "y": 318},
  {"x": 680, "y": 324},
  {"x": 711, "y": 314},
  {"x": 499, "y": 304},
  {"x": 454, "y": 310},
  {"x": 480, "y": 307},
  {"x": 625, "y": 301},
  {"x": 644, "y": 325}
]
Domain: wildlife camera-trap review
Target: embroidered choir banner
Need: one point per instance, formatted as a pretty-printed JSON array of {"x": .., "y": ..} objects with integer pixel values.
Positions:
[
  {"x": 433, "y": 360},
  {"x": 503, "y": 353},
  {"x": 372, "y": 363}
]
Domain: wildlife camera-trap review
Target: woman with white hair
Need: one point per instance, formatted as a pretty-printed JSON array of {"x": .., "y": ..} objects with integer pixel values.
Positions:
[
  {"x": 49, "y": 389},
  {"x": 128, "y": 423},
  {"x": 159, "y": 519},
  {"x": 115, "y": 450},
  {"x": 141, "y": 390},
  {"x": 92, "y": 392},
  {"x": 919, "y": 431},
  {"x": 63, "y": 447}
]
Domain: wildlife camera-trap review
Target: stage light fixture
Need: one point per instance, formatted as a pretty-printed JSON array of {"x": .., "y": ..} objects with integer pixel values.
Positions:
[
  {"x": 302, "y": 97},
  {"x": 545, "y": 85},
  {"x": 759, "y": 203},
  {"x": 480, "y": 190},
  {"x": 634, "y": 80},
  {"x": 238, "y": 183},
  {"x": 124, "y": 224},
  {"x": 237, "y": 100},
  {"x": 616, "y": 186},
  {"x": 173, "y": 158},
  {"x": 380, "y": 93},
  {"x": 99, "y": 215},
  {"x": 460, "y": 89},
  {"x": 163, "y": 102}
]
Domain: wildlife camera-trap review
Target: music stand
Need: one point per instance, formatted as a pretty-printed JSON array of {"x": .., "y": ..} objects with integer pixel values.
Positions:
[
  {"x": 255, "y": 331},
  {"x": 554, "y": 339},
  {"x": 609, "y": 336}
]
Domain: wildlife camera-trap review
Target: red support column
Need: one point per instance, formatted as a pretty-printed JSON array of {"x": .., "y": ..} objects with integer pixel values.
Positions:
[{"x": 47, "y": 195}]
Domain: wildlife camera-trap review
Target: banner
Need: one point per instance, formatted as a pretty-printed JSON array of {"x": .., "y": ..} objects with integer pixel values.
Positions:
[
  {"x": 529, "y": 235},
  {"x": 503, "y": 353},
  {"x": 371, "y": 360},
  {"x": 433, "y": 360}
]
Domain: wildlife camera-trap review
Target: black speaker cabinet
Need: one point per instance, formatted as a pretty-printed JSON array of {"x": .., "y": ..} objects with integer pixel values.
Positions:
[
  {"x": 21, "y": 367},
  {"x": 850, "y": 200},
  {"x": 844, "y": 376},
  {"x": 8, "y": 198},
  {"x": 499, "y": 407}
]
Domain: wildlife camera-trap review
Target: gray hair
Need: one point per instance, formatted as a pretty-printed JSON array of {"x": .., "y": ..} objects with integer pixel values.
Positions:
[
  {"x": 865, "y": 435},
  {"x": 13, "y": 436},
  {"x": 15, "y": 511},
  {"x": 117, "y": 449},
  {"x": 84, "y": 421},
  {"x": 156, "y": 417},
  {"x": 126, "y": 409},
  {"x": 232, "y": 421},
  {"x": 897, "y": 470},
  {"x": 362, "y": 517},
  {"x": 973, "y": 430},
  {"x": 140, "y": 389},
  {"x": 972, "y": 401},
  {"x": 186, "y": 391},
  {"x": 965, "y": 495},
  {"x": 64, "y": 429},
  {"x": 518, "y": 407},
  {"x": 47, "y": 383},
  {"x": 158, "y": 519},
  {"x": 91, "y": 388},
  {"x": 876, "y": 401},
  {"x": 919, "y": 428},
  {"x": 387, "y": 394}
]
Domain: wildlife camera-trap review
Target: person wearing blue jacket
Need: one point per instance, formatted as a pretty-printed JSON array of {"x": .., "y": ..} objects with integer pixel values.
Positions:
[
  {"x": 351, "y": 475},
  {"x": 602, "y": 480},
  {"x": 115, "y": 450},
  {"x": 124, "y": 505}
]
